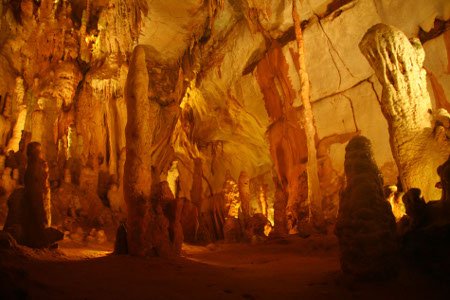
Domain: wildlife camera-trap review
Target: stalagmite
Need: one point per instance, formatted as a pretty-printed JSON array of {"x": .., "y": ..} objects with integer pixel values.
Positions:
[
  {"x": 405, "y": 102},
  {"x": 37, "y": 187},
  {"x": 154, "y": 214},
  {"x": 139, "y": 136},
  {"x": 204, "y": 143},
  {"x": 365, "y": 226},
  {"x": 244, "y": 193},
  {"x": 29, "y": 215},
  {"x": 262, "y": 197},
  {"x": 21, "y": 156}
]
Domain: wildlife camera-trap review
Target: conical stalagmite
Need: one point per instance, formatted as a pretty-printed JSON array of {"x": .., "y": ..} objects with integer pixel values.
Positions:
[{"x": 365, "y": 226}]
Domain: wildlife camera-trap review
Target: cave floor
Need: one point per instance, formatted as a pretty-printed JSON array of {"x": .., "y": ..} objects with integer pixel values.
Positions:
[{"x": 288, "y": 268}]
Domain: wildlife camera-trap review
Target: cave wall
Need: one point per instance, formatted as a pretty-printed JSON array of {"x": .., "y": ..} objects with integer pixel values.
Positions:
[
  {"x": 344, "y": 91},
  {"x": 63, "y": 70}
]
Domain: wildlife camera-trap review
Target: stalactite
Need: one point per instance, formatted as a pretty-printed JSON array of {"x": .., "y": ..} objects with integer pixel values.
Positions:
[{"x": 84, "y": 50}]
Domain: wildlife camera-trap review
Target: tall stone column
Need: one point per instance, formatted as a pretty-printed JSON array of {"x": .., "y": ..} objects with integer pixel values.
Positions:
[
  {"x": 36, "y": 205},
  {"x": 137, "y": 179},
  {"x": 153, "y": 93}
]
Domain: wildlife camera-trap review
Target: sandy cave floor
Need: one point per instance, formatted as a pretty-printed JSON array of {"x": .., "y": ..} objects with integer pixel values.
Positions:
[{"x": 288, "y": 268}]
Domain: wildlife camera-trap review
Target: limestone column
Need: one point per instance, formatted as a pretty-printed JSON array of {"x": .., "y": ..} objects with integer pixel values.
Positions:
[{"x": 137, "y": 178}]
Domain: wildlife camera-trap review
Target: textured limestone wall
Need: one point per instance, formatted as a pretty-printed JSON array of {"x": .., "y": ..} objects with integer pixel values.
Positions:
[{"x": 344, "y": 90}]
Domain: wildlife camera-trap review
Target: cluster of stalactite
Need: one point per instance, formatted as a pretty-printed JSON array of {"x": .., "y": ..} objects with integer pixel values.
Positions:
[
  {"x": 115, "y": 125},
  {"x": 64, "y": 65}
]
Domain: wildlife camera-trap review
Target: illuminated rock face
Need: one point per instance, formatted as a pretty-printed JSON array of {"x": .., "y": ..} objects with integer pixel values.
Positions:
[
  {"x": 365, "y": 226},
  {"x": 406, "y": 105}
]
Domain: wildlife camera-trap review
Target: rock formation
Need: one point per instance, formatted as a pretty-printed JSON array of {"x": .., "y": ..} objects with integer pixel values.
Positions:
[
  {"x": 226, "y": 88},
  {"x": 257, "y": 227},
  {"x": 29, "y": 208},
  {"x": 37, "y": 184},
  {"x": 416, "y": 212},
  {"x": 244, "y": 194},
  {"x": 262, "y": 198},
  {"x": 137, "y": 172},
  {"x": 280, "y": 202},
  {"x": 420, "y": 214},
  {"x": 286, "y": 137},
  {"x": 444, "y": 183},
  {"x": 425, "y": 229},
  {"x": 121, "y": 243},
  {"x": 152, "y": 98},
  {"x": 232, "y": 229},
  {"x": 365, "y": 226},
  {"x": 405, "y": 102}
]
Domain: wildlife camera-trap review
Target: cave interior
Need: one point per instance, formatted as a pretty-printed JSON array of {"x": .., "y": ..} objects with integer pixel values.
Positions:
[{"x": 225, "y": 149}]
